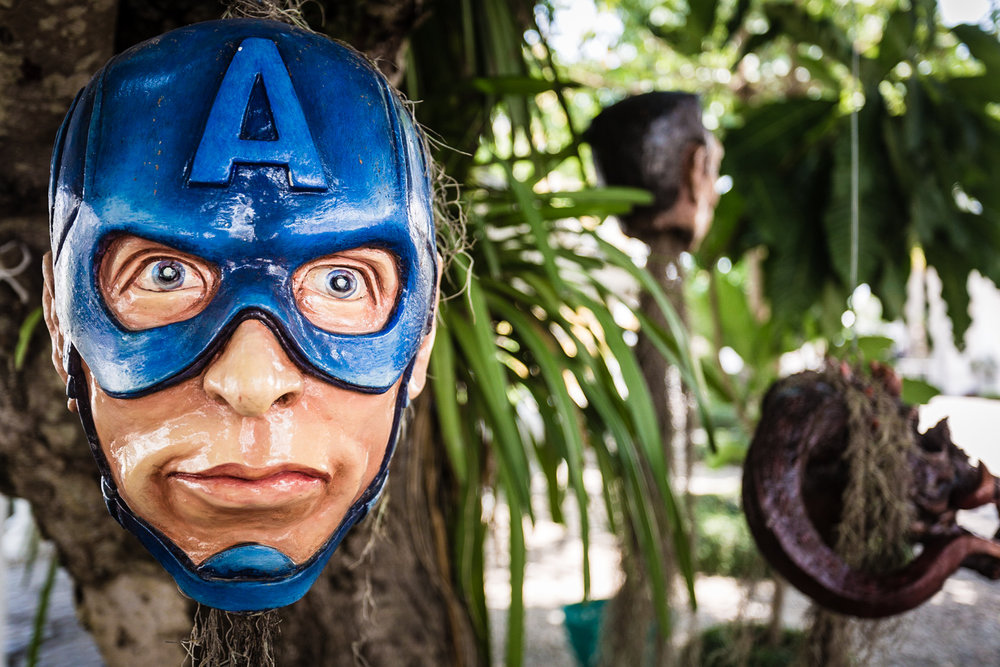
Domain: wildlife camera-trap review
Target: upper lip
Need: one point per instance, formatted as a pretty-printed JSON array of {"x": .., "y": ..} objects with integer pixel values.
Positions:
[{"x": 241, "y": 471}]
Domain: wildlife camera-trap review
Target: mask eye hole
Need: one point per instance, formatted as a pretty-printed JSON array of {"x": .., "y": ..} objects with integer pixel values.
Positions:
[
  {"x": 349, "y": 292},
  {"x": 148, "y": 284}
]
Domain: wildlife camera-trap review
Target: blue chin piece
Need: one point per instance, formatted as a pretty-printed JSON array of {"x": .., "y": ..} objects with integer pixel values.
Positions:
[
  {"x": 248, "y": 561},
  {"x": 257, "y": 147}
]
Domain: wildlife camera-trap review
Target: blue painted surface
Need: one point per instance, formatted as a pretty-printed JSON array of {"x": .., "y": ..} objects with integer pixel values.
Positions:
[
  {"x": 249, "y": 561},
  {"x": 258, "y": 147},
  {"x": 161, "y": 117}
]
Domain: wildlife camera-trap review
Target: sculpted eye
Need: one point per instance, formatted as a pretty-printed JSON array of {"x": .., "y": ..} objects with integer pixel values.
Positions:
[
  {"x": 166, "y": 275},
  {"x": 341, "y": 283},
  {"x": 148, "y": 284},
  {"x": 349, "y": 292}
]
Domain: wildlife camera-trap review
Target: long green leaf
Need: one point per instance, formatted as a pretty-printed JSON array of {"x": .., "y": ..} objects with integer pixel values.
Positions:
[
  {"x": 601, "y": 195},
  {"x": 644, "y": 416},
  {"x": 477, "y": 337},
  {"x": 685, "y": 359},
  {"x": 549, "y": 457},
  {"x": 518, "y": 560},
  {"x": 502, "y": 421},
  {"x": 526, "y": 203},
  {"x": 470, "y": 539},
  {"x": 518, "y": 85},
  {"x": 573, "y": 441},
  {"x": 24, "y": 337},
  {"x": 640, "y": 405},
  {"x": 662, "y": 342},
  {"x": 442, "y": 371},
  {"x": 638, "y": 500},
  {"x": 41, "y": 614}
]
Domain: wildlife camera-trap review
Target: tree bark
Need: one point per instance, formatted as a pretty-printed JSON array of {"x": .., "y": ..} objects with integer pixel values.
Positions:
[
  {"x": 630, "y": 635},
  {"x": 386, "y": 597},
  {"x": 50, "y": 50},
  {"x": 379, "y": 28}
]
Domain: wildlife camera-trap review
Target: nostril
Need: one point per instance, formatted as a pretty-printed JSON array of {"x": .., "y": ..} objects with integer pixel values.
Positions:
[
  {"x": 286, "y": 399},
  {"x": 214, "y": 394}
]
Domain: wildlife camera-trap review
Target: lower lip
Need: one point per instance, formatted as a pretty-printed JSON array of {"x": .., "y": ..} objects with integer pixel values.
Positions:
[{"x": 274, "y": 490}]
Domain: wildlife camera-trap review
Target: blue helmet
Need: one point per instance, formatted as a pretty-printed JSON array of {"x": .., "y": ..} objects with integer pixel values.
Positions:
[{"x": 257, "y": 146}]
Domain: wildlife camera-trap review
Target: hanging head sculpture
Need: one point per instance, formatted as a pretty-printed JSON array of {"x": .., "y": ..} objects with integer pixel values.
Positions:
[
  {"x": 657, "y": 142},
  {"x": 241, "y": 294}
]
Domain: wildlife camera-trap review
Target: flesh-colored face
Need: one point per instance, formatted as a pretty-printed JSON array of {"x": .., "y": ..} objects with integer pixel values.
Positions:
[{"x": 252, "y": 449}]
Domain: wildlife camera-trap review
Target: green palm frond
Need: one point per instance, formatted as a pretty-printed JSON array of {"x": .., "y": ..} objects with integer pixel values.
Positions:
[
  {"x": 533, "y": 371},
  {"x": 533, "y": 363}
]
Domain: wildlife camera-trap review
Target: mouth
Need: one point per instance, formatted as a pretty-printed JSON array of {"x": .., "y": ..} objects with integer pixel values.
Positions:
[{"x": 236, "y": 486}]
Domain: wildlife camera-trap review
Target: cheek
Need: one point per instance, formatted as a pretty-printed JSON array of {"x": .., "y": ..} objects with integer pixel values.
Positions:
[
  {"x": 140, "y": 436},
  {"x": 354, "y": 430},
  {"x": 132, "y": 453}
]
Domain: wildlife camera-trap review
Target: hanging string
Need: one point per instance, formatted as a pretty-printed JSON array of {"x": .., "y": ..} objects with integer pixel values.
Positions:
[
  {"x": 9, "y": 274},
  {"x": 857, "y": 101},
  {"x": 855, "y": 175}
]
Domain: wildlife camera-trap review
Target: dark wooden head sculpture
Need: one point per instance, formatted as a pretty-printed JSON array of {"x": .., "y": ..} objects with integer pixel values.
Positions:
[{"x": 657, "y": 142}]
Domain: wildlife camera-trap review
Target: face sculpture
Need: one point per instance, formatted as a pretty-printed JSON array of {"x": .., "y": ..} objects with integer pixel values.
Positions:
[
  {"x": 657, "y": 142},
  {"x": 241, "y": 294}
]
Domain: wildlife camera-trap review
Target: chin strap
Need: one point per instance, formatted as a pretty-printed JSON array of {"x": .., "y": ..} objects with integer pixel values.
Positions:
[{"x": 246, "y": 577}]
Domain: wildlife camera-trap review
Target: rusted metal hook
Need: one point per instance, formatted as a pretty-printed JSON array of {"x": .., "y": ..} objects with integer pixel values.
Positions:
[{"x": 792, "y": 511}]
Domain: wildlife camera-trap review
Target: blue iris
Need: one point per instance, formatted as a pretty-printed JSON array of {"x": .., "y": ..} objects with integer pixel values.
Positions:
[
  {"x": 168, "y": 274},
  {"x": 342, "y": 283}
]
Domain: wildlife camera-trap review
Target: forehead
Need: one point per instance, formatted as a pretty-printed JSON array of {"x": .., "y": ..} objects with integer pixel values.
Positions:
[{"x": 151, "y": 109}]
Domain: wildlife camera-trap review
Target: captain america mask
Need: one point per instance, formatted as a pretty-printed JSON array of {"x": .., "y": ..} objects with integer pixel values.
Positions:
[{"x": 242, "y": 292}]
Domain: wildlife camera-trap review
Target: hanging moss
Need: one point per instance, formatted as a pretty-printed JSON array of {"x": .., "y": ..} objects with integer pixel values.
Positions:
[
  {"x": 876, "y": 513},
  {"x": 286, "y": 11},
  {"x": 223, "y": 639}
]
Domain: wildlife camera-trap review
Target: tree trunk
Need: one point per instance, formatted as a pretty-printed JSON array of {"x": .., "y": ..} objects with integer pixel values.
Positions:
[
  {"x": 50, "y": 50},
  {"x": 630, "y": 635},
  {"x": 386, "y": 597}
]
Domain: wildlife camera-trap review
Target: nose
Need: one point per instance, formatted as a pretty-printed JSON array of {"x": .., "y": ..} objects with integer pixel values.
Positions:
[{"x": 253, "y": 372}]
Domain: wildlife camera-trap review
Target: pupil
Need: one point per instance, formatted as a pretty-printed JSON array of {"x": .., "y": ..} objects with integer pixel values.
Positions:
[{"x": 168, "y": 274}]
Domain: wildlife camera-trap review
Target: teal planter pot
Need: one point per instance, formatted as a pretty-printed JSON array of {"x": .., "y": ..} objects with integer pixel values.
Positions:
[{"x": 583, "y": 625}]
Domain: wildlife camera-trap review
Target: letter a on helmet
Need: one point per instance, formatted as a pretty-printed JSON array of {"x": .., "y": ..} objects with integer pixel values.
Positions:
[{"x": 257, "y": 76}]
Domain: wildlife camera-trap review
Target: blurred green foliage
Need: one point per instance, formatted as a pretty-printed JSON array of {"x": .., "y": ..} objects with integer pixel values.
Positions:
[
  {"x": 534, "y": 369},
  {"x": 778, "y": 85},
  {"x": 532, "y": 372},
  {"x": 724, "y": 545},
  {"x": 733, "y": 645},
  {"x": 777, "y": 78}
]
